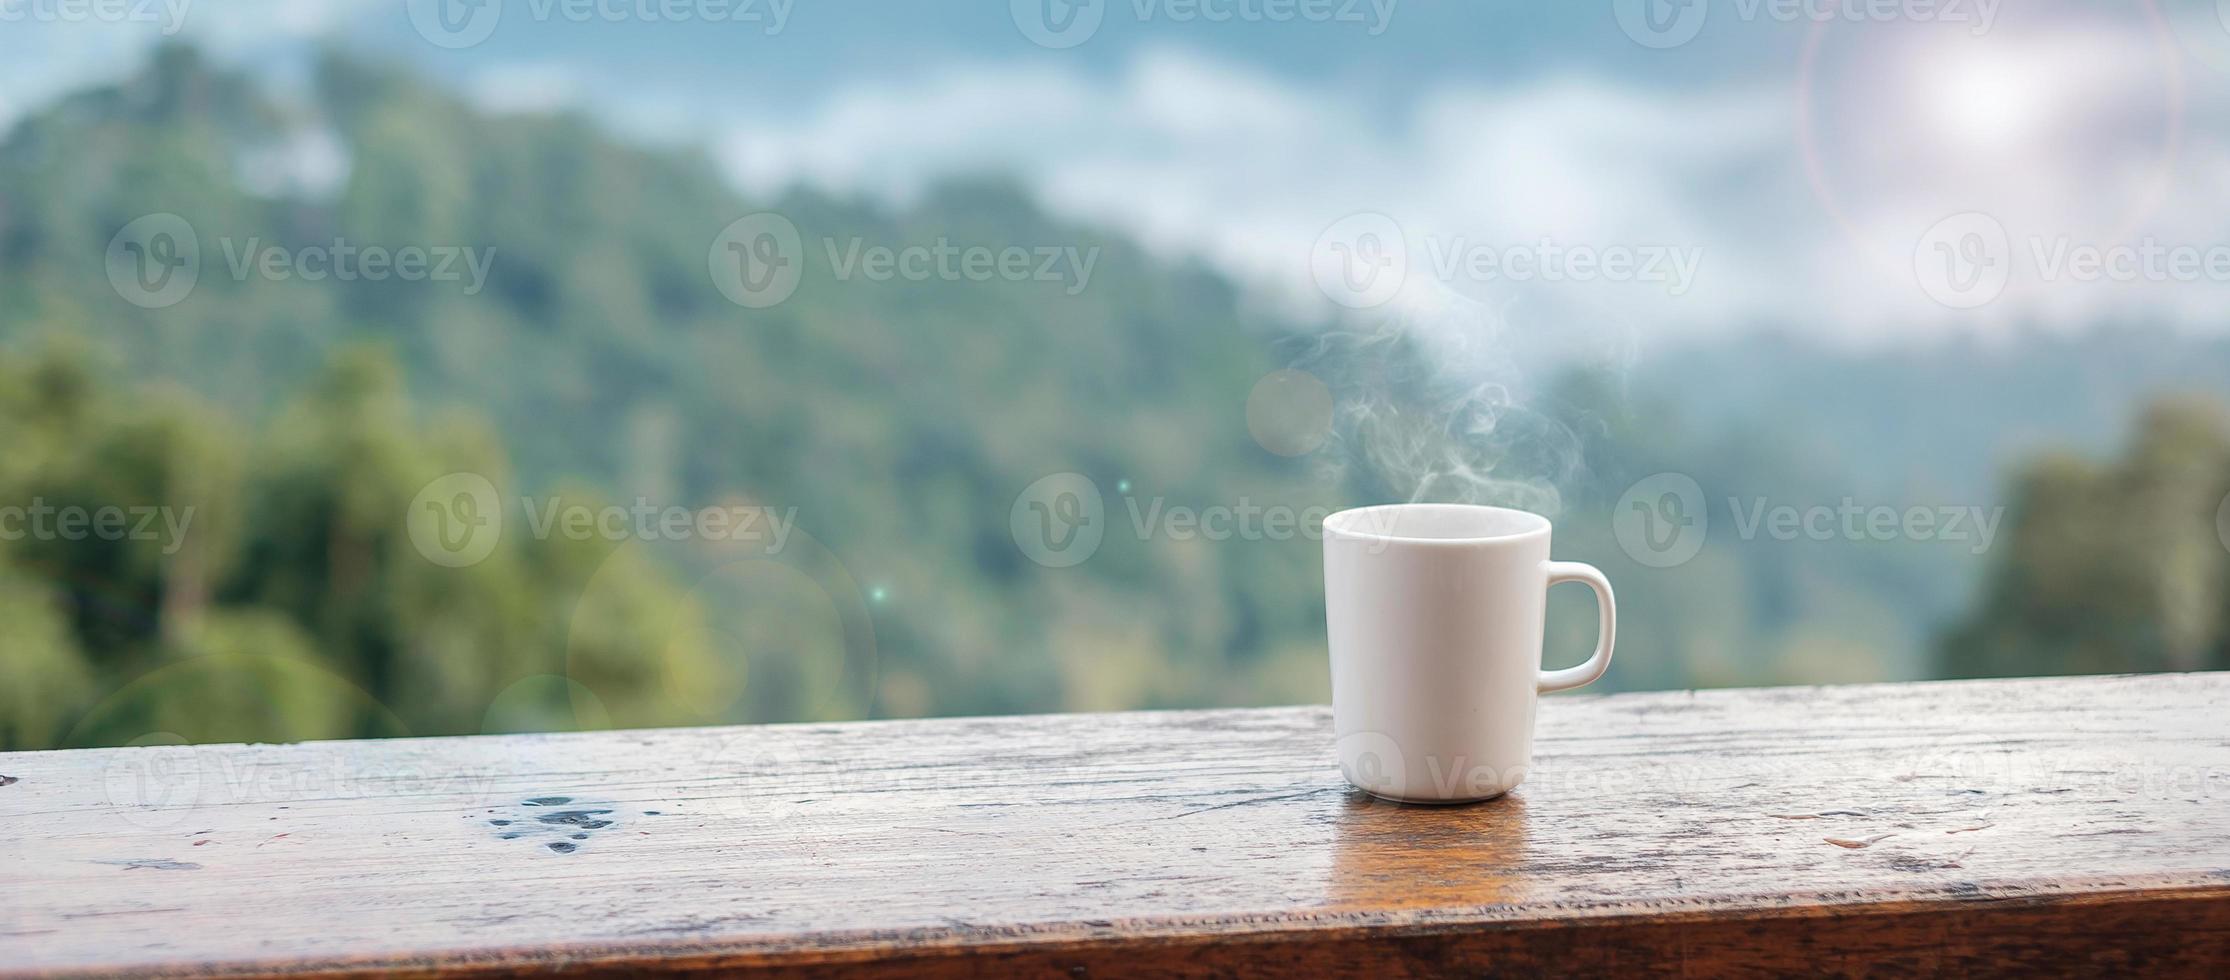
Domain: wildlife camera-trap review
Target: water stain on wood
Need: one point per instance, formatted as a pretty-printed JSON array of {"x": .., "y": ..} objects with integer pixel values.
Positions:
[
  {"x": 576, "y": 825},
  {"x": 153, "y": 864},
  {"x": 578, "y": 818}
]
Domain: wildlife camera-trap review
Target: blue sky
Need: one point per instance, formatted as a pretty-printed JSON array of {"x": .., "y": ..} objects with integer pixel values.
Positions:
[{"x": 1797, "y": 165}]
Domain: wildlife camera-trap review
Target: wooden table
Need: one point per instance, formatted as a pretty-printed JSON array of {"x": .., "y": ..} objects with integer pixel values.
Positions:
[{"x": 2058, "y": 826}]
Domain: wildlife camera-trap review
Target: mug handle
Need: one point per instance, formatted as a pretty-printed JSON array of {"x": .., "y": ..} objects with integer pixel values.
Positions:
[{"x": 1606, "y": 629}]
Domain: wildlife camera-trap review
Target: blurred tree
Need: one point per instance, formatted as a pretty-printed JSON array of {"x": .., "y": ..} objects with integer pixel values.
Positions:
[
  {"x": 2110, "y": 567},
  {"x": 47, "y": 677},
  {"x": 275, "y": 595}
]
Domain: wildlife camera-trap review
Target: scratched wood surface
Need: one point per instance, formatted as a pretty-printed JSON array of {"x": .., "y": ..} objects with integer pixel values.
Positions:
[{"x": 2059, "y": 826}]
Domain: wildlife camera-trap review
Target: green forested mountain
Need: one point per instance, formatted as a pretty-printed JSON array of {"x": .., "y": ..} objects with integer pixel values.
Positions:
[{"x": 899, "y": 418}]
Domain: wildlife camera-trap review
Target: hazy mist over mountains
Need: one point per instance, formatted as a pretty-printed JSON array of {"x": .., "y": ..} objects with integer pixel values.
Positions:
[{"x": 1778, "y": 154}]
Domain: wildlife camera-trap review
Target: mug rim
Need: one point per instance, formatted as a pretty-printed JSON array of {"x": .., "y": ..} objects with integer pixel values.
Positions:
[{"x": 1340, "y": 524}]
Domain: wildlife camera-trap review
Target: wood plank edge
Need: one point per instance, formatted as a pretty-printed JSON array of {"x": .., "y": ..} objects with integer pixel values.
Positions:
[{"x": 2167, "y": 929}]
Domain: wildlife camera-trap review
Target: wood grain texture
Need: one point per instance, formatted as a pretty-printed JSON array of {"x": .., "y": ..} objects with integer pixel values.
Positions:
[{"x": 2064, "y": 826}]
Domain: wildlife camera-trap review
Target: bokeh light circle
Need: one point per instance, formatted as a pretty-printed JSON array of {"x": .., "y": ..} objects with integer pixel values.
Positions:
[{"x": 1289, "y": 412}]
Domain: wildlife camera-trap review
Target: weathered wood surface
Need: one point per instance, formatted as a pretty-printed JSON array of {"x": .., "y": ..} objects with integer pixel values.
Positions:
[{"x": 2062, "y": 826}]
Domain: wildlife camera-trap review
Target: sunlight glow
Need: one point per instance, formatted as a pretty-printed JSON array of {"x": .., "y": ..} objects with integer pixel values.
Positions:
[{"x": 1987, "y": 100}]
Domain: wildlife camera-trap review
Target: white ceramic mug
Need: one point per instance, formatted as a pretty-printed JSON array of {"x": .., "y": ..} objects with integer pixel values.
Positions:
[{"x": 1435, "y": 616}]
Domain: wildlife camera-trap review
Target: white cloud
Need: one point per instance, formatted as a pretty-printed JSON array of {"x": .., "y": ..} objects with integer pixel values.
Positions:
[
  {"x": 530, "y": 87},
  {"x": 1202, "y": 157},
  {"x": 307, "y": 162},
  {"x": 2056, "y": 132}
]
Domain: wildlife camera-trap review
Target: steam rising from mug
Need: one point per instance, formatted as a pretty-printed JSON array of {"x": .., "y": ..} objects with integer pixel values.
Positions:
[{"x": 1432, "y": 419}]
